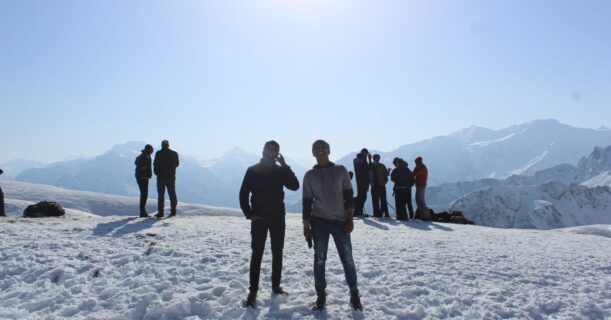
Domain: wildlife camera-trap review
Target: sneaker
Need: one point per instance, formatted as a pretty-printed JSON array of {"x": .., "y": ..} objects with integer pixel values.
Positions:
[
  {"x": 355, "y": 302},
  {"x": 173, "y": 214},
  {"x": 279, "y": 290},
  {"x": 159, "y": 215},
  {"x": 251, "y": 300},
  {"x": 144, "y": 215},
  {"x": 320, "y": 303}
]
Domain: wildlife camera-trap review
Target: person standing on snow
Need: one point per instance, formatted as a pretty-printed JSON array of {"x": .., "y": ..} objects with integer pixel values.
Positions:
[
  {"x": 2, "y": 213},
  {"x": 421, "y": 173},
  {"x": 328, "y": 207},
  {"x": 378, "y": 175},
  {"x": 403, "y": 178},
  {"x": 144, "y": 173},
  {"x": 164, "y": 166},
  {"x": 265, "y": 181},
  {"x": 362, "y": 163}
]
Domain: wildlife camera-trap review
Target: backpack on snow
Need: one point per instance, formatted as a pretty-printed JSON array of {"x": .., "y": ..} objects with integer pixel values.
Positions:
[{"x": 44, "y": 209}]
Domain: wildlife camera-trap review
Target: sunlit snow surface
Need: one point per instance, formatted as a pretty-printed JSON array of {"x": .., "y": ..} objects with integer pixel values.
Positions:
[{"x": 196, "y": 267}]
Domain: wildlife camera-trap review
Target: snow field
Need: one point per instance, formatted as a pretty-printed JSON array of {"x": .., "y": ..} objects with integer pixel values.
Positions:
[{"x": 196, "y": 267}]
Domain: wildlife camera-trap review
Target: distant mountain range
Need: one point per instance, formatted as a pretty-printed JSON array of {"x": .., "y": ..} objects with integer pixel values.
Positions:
[
  {"x": 469, "y": 154},
  {"x": 475, "y": 153}
]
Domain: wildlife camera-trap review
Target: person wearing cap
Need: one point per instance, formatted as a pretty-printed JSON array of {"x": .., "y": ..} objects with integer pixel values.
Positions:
[
  {"x": 264, "y": 182},
  {"x": 328, "y": 209},
  {"x": 378, "y": 176},
  {"x": 2, "y": 213},
  {"x": 421, "y": 173},
  {"x": 164, "y": 166},
  {"x": 144, "y": 172},
  {"x": 362, "y": 164}
]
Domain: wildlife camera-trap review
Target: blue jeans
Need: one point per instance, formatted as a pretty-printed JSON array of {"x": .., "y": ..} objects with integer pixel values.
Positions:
[{"x": 321, "y": 229}]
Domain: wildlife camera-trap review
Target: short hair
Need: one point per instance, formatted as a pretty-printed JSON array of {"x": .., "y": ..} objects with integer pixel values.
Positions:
[
  {"x": 364, "y": 151},
  {"x": 320, "y": 141},
  {"x": 376, "y": 156}
]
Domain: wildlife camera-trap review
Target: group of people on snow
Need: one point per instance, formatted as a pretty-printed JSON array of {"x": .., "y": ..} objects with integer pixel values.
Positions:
[
  {"x": 375, "y": 174},
  {"x": 164, "y": 166}
]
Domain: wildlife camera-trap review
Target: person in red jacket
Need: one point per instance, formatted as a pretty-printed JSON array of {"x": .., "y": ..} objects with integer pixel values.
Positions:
[
  {"x": 143, "y": 175},
  {"x": 421, "y": 173}
]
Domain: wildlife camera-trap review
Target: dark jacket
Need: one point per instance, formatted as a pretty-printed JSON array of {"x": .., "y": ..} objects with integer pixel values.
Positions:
[
  {"x": 143, "y": 166},
  {"x": 402, "y": 176},
  {"x": 165, "y": 164},
  {"x": 265, "y": 181},
  {"x": 361, "y": 170}
]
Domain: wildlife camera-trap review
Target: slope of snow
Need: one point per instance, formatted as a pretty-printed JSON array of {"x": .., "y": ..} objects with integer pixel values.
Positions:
[
  {"x": 602, "y": 179},
  {"x": 196, "y": 267},
  {"x": 547, "y": 206},
  {"x": 97, "y": 203}
]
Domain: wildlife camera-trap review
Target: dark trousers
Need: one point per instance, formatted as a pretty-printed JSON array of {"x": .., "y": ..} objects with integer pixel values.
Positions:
[
  {"x": 361, "y": 198},
  {"x": 258, "y": 232},
  {"x": 162, "y": 184},
  {"x": 423, "y": 210},
  {"x": 378, "y": 199},
  {"x": 143, "y": 185},
  {"x": 403, "y": 198},
  {"x": 2, "y": 203}
]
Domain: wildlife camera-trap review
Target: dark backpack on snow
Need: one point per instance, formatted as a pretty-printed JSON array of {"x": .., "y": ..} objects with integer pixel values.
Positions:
[{"x": 44, "y": 209}]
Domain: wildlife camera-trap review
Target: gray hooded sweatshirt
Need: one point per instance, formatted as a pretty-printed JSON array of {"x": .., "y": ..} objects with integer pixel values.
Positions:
[{"x": 327, "y": 194}]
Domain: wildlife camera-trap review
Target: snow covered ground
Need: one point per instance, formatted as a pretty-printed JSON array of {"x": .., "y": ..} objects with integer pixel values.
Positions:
[{"x": 196, "y": 267}]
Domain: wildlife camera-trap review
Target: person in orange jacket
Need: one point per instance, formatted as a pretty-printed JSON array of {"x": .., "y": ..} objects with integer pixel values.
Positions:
[{"x": 421, "y": 173}]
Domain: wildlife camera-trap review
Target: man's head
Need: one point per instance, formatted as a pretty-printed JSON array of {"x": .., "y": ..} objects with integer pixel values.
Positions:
[
  {"x": 364, "y": 151},
  {"x": 376, "y": 158},
  {"x": 321, "y": 151},
  {"x": 271, "y": 149},
  {"x": 418, "y": 161},
  {"x": 148, "y": 149},
  {"x": 165, "y": 144},
  {"x": 396, "y": 162}
]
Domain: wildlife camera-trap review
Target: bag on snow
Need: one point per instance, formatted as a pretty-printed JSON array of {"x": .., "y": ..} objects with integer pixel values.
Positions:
[{"x": 44, "y": 209}]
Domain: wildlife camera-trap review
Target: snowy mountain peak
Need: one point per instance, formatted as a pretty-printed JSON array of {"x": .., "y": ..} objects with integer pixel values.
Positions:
[{"x": 604, "y": 128}]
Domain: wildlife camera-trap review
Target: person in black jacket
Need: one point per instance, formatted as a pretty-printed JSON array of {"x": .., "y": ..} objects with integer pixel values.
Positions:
[
  {"x": 164, "y": 165},
  {"x": 265, "y": 182},
  {"x": 2, "y": 214},
  {"x": 362, "y": 165},
  {"x": 403, "y": 178},
  {"x": 144, "y": 172}
]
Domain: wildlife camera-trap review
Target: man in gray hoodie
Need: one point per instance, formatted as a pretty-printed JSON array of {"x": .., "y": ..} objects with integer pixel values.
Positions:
[{"x": 328, "y": 207}]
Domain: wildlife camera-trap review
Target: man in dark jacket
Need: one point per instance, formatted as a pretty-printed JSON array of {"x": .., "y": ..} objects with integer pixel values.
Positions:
[
  {"x": 403, "y": 178},
  {"x": 378, "y": 177},
  {"x": 362, "y": 164},
  {"x": 2, "y": 214},
  {"x": 164, "y": 165},
  {"x": 265, "y": 181},
  {"x": 143, "y": 174}
]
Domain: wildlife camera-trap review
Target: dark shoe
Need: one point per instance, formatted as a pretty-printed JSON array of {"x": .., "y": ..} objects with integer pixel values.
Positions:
[
  {"x": 355, "y": 302},
  {"x": 173, "y": 214},
  {"x": 144, "y": 215},
  {"x": 159, "y": 216},
  {"x": 279, "y": 290},
  {"x": 251, "y": 300},
  {"x": 320, "y": 303}
]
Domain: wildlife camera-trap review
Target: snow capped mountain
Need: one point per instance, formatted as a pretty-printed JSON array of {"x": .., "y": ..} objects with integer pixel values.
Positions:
[
  {"x": 547, "y": 206},
  {"x": 476, "y": 153},
  {"x": 196, "y": 267},
  {"x": 595, "y": 169}
]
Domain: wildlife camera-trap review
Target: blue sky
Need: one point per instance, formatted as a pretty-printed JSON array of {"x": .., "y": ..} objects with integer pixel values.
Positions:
[{"x": 81, "y": 76}]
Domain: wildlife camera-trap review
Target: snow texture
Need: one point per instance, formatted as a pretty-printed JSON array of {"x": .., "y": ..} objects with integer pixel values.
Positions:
[{"x": 196, "y": 267}]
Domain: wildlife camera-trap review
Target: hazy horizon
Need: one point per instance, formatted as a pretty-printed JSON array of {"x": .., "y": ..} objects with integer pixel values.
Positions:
[{"x": 76, "y": 78}]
